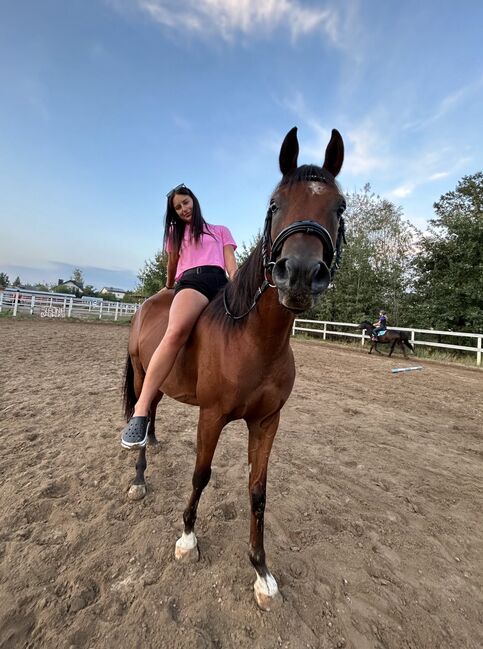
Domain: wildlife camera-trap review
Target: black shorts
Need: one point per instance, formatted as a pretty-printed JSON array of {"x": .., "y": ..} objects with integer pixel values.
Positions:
[{"x": 207, "y": 280}]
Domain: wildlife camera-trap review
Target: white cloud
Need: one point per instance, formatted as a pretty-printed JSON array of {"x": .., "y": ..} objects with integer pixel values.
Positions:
[
  {"x": 363, "y": 149},
  {"x": 438, "y": 175},
  {"x": 403, "y": 190},
  {"x": 231, "y": 17},
  {"x": 446, "y": 105}
]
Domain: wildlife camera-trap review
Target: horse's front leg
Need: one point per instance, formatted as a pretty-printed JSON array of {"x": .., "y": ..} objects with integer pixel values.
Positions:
[
  {"x": 137, "y": 490},
  {"x": 210, "y": 426},
  {"x": 260, "y": 440}
]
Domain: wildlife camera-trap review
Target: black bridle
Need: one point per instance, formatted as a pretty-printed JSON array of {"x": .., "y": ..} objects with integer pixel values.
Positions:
[{"x": 271, "y": 250}]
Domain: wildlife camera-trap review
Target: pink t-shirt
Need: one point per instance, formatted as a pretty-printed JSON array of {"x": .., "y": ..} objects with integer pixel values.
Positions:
[{"x": 207, "y": 252}]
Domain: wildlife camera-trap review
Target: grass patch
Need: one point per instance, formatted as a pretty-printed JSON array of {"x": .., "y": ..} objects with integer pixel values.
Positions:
[{"x": 467, "y": 359}]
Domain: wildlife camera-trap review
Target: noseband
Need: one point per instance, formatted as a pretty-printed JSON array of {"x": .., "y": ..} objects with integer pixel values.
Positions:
[{"x": 271, "y": 250}]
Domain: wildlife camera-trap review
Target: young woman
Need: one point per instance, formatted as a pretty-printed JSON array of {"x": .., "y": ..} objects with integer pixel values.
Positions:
[
  {"x": 380, "y": 325},
  {"x": 199, "y": 257}
]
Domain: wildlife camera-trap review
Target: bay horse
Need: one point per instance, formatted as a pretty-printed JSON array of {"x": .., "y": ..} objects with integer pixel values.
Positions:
[
  {"x": 391, "y": 336},
  {"x": 237, "y": 363}
]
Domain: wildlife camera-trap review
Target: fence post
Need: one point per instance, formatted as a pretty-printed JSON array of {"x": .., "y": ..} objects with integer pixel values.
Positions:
[
  {"x": 363, "y": 337},
  {"x": 15, "y": 305},
  {"x": 413, "y": 338},
  {"x": 117, "y": 309},
  {"x": 32, "y": 304},
  {"x": 324, "y": 334},
  {"x": 478, "y": 353},
  {"x": 69, "y": 315},
  {"x": 293, "y": 328},
  {"x": 100, "y": 309},
  {"x": 1, "y": 299}
]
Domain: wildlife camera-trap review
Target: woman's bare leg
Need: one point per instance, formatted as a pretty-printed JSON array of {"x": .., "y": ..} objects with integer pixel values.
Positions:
[{"x": 183, "y": 314}]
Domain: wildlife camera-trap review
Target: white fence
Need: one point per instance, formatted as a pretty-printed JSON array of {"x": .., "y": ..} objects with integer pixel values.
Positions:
[
  {"x": 326, "y": 328},
  {"x": 56, "y": 306}
]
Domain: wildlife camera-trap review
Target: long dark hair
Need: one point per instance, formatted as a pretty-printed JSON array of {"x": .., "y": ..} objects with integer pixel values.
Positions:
[{"x": 174, "y": 227}]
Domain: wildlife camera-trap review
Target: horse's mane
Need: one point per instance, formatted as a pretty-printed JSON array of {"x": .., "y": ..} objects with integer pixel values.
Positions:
[{"x": 240, "y": 293}]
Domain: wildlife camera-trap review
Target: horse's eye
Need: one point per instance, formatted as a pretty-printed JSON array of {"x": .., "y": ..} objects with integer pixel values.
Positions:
[
  {"x": 341, "y": 209},
  {"x": 273, "y": 207}
]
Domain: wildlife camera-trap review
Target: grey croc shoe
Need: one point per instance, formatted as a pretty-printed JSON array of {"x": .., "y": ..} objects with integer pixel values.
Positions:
[{"x": 135, "y": 434}]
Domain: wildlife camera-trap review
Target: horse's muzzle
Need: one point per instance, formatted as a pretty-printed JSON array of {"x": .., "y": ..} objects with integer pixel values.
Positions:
[{"x": 300, "y": 281}]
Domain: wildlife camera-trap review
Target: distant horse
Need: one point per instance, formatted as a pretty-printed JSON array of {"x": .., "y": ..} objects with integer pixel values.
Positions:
[
  {"x": 391, "y": 336},
  {"x": 237, "y": 363}
]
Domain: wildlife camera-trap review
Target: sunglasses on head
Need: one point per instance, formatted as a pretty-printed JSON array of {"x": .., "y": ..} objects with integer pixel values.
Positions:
[{"x": 175, "y": 189}]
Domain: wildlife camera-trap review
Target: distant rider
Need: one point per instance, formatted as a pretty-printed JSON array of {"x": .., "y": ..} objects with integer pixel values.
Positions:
[{"x": 380, "y": 325}]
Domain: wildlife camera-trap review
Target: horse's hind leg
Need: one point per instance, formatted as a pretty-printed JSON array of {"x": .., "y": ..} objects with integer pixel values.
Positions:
[
  {"x": 392, "y": 348},
  {"x": 137, "y": 490},
  {"x": 210, "y": 426},
  {"x": 260, "y": 440}
]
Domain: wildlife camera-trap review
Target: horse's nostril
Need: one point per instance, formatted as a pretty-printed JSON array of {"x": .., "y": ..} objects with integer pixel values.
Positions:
[
  {"x": 321, "y": 277},
  {"x": 281, "y": 270}
]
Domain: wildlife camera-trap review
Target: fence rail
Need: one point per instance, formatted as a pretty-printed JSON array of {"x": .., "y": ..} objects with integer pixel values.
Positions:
[
  {"x": 324, "y": 328},
  {"x": 56, "y": 306}
]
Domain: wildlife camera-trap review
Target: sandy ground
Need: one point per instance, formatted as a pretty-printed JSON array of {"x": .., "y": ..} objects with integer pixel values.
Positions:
[{"x": 374, "y": 526}]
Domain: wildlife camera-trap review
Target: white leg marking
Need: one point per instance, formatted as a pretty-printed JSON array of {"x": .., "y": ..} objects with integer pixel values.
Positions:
[
  {"x": 187, "y": 541},
  {"x": 266, "y": 591},
  {"x": 187, "y": 548}
]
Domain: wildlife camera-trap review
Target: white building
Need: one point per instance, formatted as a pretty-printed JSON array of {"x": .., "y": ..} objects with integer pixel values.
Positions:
[{"x": 119, "y": 293}]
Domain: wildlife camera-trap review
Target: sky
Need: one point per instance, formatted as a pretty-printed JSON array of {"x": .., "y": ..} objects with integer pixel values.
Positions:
[{"x": 105, "y": 105}]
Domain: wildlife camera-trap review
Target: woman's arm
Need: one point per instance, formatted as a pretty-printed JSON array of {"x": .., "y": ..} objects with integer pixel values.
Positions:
[
  {"x": 171, "y": 269},
  {"x": 230, "y": 261}
]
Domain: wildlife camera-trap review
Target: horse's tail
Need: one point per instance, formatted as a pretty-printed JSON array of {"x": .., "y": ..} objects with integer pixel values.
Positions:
[{"x": 128, "y": 394}]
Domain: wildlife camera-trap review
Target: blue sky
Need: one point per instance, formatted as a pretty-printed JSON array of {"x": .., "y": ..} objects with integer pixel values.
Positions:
[{"x": 107, "y": 104}]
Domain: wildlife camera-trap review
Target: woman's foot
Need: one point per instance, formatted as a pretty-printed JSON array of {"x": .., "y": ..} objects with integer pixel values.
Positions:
[{"x": 135, "y": 434}]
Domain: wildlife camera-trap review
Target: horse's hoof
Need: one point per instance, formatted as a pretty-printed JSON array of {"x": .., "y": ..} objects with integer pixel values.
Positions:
[
  {"x": 136, "y": 492},
  {"x": 266, "y": 592},
  {"x": 186, "y": 549},
  {"x": 154, "y": 445}
]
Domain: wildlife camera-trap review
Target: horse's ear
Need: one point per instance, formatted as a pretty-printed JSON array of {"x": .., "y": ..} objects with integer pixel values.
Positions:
[
  {"x": 289, "y": 152},
  {"x": 334, "y": 154}
]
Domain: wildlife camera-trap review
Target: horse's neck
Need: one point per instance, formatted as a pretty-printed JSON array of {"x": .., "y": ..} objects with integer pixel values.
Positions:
[{"x": 270, "y": 324}]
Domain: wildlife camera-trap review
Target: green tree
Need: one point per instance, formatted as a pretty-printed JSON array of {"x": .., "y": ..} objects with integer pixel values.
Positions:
[
  {"x": 152, "y": 277},
  {"x": 78, "y": 277},
  {"x": 245, "y": 251},
  {"x": 61, "y": 288},
  {"x": 90, "y": 291},
  {"x": 4, "y": 280},
  {"x": 449, "y": 287},
  {"x": 375, "y": 272},
  {"x": 17, "y": 282}
]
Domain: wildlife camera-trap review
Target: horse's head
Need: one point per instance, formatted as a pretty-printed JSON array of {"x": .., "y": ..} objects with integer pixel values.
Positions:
[
  {"x": 304, "y": 227},
  {"x": 366, "y": 325}
]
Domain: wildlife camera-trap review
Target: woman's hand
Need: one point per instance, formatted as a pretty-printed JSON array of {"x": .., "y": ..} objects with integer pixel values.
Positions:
[{"x": 230, "y": 261}]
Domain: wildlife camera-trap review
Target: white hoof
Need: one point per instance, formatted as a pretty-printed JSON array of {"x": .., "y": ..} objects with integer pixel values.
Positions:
[
  {"x": 266, "y": 591},
  {"x": 186, "y": 549},
  {"x": 136, "y": 492}
]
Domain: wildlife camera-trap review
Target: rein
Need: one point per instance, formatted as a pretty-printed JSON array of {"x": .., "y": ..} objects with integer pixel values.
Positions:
[{"x": 272, "y": 249}]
